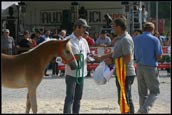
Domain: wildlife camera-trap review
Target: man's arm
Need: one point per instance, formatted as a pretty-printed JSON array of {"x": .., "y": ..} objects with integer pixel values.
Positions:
[{"x": 127, "y": 58}]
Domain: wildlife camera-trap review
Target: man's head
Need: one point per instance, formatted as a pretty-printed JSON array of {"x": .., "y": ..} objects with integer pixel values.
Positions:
[
  {"x": 86, "y": 34},
  {"x": 103, "y": 34},
  {"x": 120, "y": 22},
  {"x": 81, "y": 22},
  {"x": 63, "y": 33},
  {"x": 149, "y": 26},
  {"x": 80, "y": 26},
  {"x": 6, "y": 32}
]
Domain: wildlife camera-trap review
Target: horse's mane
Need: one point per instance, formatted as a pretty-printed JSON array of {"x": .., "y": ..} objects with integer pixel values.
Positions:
[{"x": 43, "y": 44}]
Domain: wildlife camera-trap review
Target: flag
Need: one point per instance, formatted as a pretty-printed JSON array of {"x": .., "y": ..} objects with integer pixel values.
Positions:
[{"x": 121, "y": 77}]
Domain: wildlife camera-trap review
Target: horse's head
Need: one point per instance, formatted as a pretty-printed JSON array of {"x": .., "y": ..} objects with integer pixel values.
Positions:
[{"x": 67, "y": 54}]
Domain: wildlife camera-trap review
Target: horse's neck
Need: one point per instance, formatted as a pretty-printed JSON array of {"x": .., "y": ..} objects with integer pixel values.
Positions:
[{"x": 45, "y": 53}]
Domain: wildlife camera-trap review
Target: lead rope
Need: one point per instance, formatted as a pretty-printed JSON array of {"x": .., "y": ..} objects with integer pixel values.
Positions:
[{"x": 80, "y": 66}]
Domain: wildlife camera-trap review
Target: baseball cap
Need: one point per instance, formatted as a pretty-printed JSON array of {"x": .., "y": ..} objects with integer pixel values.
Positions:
[
  {"x": 86, "y": 32},
  {"x": 82, "y": 22},
  {"x": 6, "y": 30},
  {"x": 103, "y": 32}
]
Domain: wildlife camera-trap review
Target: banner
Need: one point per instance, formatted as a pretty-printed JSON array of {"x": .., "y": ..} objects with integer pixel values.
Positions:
[{"x": 105, "y": 50}]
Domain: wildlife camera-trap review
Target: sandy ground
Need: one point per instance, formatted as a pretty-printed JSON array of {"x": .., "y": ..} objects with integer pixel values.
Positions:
[{"x": 96, "y": 98}]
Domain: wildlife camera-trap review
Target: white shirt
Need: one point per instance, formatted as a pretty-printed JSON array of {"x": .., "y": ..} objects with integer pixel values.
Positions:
[{"x": 78, "y": 46}]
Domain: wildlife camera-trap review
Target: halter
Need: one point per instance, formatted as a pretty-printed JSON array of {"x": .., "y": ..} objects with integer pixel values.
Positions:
[{"x": 59, "y": 52}]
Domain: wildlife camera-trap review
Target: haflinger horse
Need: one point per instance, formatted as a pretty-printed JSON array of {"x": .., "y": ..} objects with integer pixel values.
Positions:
[{"x": 26, "y": 70}]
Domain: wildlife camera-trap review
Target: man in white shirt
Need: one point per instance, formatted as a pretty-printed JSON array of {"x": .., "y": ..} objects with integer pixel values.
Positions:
[{"x": 73, "y": 89}]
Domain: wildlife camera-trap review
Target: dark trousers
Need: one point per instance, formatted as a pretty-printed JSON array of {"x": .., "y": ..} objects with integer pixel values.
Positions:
[
  {"x": 128, "y": 83},
  {"x": 54, "y": 68},
  {"x": 73, "y": 95}
]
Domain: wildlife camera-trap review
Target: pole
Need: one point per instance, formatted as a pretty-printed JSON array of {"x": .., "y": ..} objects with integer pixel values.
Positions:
[{"x": 157, "y": 16}]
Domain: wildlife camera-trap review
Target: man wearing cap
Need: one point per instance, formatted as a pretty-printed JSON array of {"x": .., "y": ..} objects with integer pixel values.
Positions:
[
  {"x": 7, "y": 43},
  {"x": 148, "y": 51},
  {"x": 103, "y": 40},
  {"x": 90, "y": 41},
  {"x": 73, "y": 89}
]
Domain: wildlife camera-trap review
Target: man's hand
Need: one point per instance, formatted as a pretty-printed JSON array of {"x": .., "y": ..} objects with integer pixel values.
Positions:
[
  {"x": 77, "y": 57},
  {"x": 98, "y": 58}
]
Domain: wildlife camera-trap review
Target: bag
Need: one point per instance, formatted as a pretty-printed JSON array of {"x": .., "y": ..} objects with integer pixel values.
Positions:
[{"x": 102, "y": 73}]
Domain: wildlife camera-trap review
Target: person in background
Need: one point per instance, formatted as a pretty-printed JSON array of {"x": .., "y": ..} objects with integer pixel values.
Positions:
[
  {"x": 90, "y": 41},
  {"x": 95, "y": 36},
  {"x": 39, "y": 37},
  {"x": 167, "y": 40},
  {"x": 33, "y": 40},
  {"x": 158, "y": 36},
  {"x": 148, "y": 52},
  {"x": 55, "y": 34},
  {"x": 25, "y": 43},
  {"x": 136, "y": 33},
  {"x": 103, "y": 40},
  {"x": 144, "y": 14},
  {"x": 74, "y": 90},
  {"x": 62, "y": 35},
  {"x": 7, "y": 43}
]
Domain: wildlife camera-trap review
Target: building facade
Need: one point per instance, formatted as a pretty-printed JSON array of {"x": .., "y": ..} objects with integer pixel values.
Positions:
[{"x": 62, "y": 14}]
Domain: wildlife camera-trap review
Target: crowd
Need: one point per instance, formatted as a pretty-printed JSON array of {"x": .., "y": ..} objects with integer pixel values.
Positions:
[
  {"x": 99, "y": 39},
  {"x": 146, "y": 46}
]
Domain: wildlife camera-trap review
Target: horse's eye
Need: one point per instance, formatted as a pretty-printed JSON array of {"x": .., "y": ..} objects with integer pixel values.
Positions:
[{"x": 67, "y": 51}]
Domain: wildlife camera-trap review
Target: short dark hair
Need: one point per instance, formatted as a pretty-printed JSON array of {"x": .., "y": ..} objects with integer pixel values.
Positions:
[
  {"x": 25, "y": 32},
  {"x": 121, "y": 22}
]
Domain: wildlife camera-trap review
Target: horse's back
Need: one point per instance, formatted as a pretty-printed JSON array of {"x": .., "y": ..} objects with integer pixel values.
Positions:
[{"x": 12, "y": 74}]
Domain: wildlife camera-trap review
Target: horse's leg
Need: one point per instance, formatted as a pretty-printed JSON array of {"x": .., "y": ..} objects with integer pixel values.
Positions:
[
  {"x": 28, "y": 104},
  {"x": 32, "y": 98}
]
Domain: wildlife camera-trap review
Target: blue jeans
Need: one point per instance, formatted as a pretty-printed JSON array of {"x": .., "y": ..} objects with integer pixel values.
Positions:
[
  {"x": 128, "y": 83},
  {"x": 73, "y": 95}
]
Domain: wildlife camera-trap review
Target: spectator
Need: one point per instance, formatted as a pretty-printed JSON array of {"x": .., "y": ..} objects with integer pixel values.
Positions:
[
  {"x": 136, "y": 33},
  {"x": 90, "y": 41},
  {"x": 73, "y": 89},
  {"x": 46, "y": 35},
  {"x": 33, "y": 40},
  {"x": 144, "y": 14},
  {"x": 103, "y": 40},
  {"x": 95, "y": 37},
  {"x": 39, "y": 37},
  {"x": 167, "y": 40},
  {"x": 148, "y": 51},
  {"x": 159, "y": 38},
  {"x": 7, "y": 43},
  {"x": 62, "y": 35},
  {"x": 25, "y": 43},
  {"x": 55, "y": 34}
]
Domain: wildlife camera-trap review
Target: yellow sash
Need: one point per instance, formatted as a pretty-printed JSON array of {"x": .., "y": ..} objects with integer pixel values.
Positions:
[{"x": 121, "y": 77}]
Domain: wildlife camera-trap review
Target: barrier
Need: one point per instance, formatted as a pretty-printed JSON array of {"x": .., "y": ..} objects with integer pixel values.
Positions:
[{"x": 106, "y": 50}]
